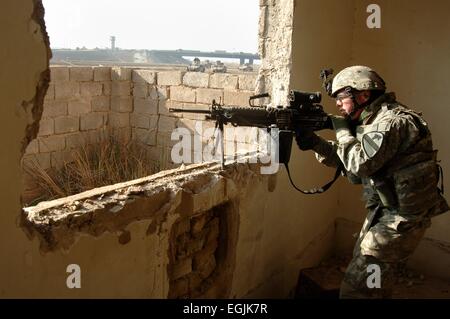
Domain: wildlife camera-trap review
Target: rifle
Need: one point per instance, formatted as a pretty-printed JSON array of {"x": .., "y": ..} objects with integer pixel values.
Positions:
[{"x": 303, "y": 113}]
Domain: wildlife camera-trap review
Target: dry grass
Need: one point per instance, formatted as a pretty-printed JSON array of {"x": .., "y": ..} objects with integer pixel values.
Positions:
[{"x": 108, "y": 162}]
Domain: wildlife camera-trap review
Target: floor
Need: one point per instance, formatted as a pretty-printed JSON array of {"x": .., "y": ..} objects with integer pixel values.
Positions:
[{"x": 324, "y": 280}]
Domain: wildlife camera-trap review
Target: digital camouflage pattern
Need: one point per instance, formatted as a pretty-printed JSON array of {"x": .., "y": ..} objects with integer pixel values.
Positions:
[
  {"x": 391, "y": 154},
  {"x": 359, "y": 78}
]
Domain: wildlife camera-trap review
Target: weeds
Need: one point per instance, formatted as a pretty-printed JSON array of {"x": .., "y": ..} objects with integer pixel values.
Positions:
[{"x": 108, "y": 162}]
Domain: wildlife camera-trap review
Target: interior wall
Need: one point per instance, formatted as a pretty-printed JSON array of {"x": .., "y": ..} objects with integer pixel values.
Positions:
[{"x": 410, "y": 51}]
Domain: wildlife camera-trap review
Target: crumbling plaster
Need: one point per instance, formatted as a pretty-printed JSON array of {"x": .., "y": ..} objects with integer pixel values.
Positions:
[{"x": 24, "y": 78}]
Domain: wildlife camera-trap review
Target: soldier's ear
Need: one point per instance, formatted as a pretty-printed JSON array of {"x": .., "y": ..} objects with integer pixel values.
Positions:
[{"x": 363, "y": 96}]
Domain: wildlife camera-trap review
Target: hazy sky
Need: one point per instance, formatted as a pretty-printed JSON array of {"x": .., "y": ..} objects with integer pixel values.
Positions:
[{"x": 205, "y": 25}]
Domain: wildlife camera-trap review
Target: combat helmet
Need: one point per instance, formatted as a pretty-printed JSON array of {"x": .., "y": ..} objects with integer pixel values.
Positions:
[{"x": 359, "y": 78}]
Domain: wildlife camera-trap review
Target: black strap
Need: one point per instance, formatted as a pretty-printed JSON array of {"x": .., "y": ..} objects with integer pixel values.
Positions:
[
  {"x": 315, "y": 190},
  {"x": 441, "y": 177}
]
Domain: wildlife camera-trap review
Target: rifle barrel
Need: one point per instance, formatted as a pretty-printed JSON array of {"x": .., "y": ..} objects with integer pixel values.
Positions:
[{"x": 175, "y": 110}]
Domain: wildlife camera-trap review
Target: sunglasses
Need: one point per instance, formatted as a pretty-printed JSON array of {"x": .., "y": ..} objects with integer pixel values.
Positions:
[{"x": 342, "y": 96}]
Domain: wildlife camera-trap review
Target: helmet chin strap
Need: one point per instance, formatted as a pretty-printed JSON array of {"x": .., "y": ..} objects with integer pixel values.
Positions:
[{"x": 356, "y": 107}]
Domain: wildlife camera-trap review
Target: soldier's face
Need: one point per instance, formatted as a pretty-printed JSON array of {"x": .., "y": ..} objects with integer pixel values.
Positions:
[{"x": 345, "y": 104}]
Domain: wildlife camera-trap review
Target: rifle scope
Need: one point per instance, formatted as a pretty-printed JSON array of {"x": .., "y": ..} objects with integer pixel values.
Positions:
[{"x": 300, "y": 97}]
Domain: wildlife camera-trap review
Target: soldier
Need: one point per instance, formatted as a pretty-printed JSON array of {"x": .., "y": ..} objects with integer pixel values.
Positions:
[{"x": 386, "y": 147}]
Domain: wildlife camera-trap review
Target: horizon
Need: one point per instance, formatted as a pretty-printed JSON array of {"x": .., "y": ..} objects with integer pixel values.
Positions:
[{"x": 206, "y": 25}]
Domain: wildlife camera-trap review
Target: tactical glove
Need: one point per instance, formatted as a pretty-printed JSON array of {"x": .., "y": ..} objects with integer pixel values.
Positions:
[
  {"x": 306, "y": 139},
  {"x": 341, "y": 125}
]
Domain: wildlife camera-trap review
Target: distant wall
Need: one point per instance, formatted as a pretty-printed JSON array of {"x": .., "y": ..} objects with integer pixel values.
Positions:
[{"x": 83, "y": 105}]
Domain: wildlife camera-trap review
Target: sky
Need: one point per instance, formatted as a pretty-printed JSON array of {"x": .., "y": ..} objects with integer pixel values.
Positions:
[{"x": 205, "y": 25}]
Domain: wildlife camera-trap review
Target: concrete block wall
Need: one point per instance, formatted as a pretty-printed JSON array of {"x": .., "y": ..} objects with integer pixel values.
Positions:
[
  {"x": 76, "y": 111},
  {"x": 192, "y": 90},
  {"x": 84, "y": 104}
]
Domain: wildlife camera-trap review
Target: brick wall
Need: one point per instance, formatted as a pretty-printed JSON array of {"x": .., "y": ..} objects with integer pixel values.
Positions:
[
  {"x": 83, "y": 104},
  {"x": 194, "y": 254}
]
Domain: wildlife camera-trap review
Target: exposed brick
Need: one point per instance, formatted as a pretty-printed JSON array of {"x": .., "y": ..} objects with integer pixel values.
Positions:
[
  {"x": 195, "y": 245},
  {"x": 144, "y": 76},
  {"x": 67, "y": 124},
  {"x": 91, "y": 121},
  {"x": 101, "y": 103},
  {"x": 247, "y": 82},
  {"x": 139, "y": 120},
  {"x": 52, "y": 143},
  {"x": 81, "y": 73},
  {"x": 182, "y": 227},
  {"x": 166, "y": 124},
  {"x": 181, "y": 269},
  {"x": 75, "y": 140},
  {"x": 67, "y": 90},
  {"x": 121, "y": 88},
  {"x": 196, "y": 79},
  {"x": 189, "y": 124},
  {"x": 161, "y": 92},
  {"x": 54, "y": 108},
  {"x": 207, "y": 95},
  {"x": 205, "y": 266},
  {"x": 107, "y": 88},
  {"x": 50, "y": 95},
  {"x": 213, "y": 230},
  {"x": 146, "y": 136},
  {"x": 59, "y": 159},
  {"x": 223, "y": 81},
  {"x": 120, "y": 74},
  {"x": 122, "y": 134},
  {"x": 178, "y": 288},
  {"x": 170, "y": 77},
  {"x": 41, "y": 159},
  {"x": 119, "y": 119},
  {"x": 59, "y": 73},
  {"x": 197, "y": 223},
  {"x": 140, "y": 90},
  {"x": 182, "y": 94},
  {"x": 164, "y": 105},
  {"x": 145, "y": 106},
  {"x": 236, "y": 98},
  {"x": 33, "y": 147},
  {"x": 46, "y": 127},
  {"x": 79, "y": 107},
  {"x": 121, "y": 104},
  {"x": 91, "y": 89},
  {"x": 195, "y": 281},
  {"x": 102, "y": 73}
]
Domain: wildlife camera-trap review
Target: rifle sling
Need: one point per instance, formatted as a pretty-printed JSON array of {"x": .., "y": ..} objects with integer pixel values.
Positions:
[{"x": 315, "y": 190}]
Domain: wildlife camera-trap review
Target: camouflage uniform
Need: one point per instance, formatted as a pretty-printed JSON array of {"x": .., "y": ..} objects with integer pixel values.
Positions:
[{"x": 391, "y": 154}]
